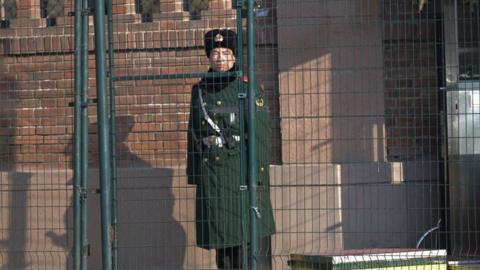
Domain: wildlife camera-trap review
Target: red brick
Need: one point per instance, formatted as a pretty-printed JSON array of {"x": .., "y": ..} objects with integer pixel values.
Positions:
[{"x": 29, "y": 140}]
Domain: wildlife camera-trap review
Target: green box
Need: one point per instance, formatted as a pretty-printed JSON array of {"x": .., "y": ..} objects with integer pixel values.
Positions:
[{"x": 372, "y": 259}]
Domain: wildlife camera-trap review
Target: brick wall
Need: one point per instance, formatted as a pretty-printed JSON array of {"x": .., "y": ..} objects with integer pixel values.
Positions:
[
  {"x": 37, "y": 88},
  {"x": 411, "y": 74},
  {"x": 39, "y": 72}
]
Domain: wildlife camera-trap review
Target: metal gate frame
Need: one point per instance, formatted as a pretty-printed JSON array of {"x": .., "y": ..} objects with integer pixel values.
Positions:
[{"x": 107, "y": 131}]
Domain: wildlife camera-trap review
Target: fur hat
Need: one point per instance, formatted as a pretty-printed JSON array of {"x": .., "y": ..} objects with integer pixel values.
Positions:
[{"x": 220, "y": 38}]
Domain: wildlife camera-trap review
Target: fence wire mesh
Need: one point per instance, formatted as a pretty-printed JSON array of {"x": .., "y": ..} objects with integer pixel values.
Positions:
[
  {"x": 36, "y": 83},
  {"x": 370, "y": 152}
]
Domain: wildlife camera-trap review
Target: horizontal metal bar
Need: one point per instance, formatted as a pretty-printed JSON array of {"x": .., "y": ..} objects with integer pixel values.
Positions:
[{"x": 179, "y": 76}]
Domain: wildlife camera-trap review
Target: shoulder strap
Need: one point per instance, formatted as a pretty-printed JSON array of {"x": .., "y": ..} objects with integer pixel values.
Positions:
[{"x": 205, "y": 114}]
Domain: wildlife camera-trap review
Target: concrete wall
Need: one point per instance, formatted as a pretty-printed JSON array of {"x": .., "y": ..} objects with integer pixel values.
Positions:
[
  {"x": 331, "y": 207},
  {"x": 331, "y": 86},
  {"x": 317, "y": 209},
  {"x": 156, "y": 221},
  {"x": 334, "y": 139}
]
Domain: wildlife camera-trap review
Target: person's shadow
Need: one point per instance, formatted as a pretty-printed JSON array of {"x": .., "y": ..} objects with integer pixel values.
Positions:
[{"x": 149, "y": 237}]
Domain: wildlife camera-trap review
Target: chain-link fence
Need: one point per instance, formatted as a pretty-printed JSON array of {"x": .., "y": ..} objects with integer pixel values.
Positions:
[
  {"x": 367, "y": 159},
  {"x": 36, "y": 85}
]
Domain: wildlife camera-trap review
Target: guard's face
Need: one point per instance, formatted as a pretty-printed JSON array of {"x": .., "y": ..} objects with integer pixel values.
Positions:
[{"x": 222, "y": 59}]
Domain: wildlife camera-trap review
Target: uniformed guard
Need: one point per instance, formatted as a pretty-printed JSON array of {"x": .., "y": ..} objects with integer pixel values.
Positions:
[{"x": 213, "y": 160}]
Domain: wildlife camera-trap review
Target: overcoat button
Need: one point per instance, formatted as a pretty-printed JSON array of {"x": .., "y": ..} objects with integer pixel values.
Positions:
[
  {"x": 260, "y": 102},
  {"x": 219, "y": 102},
  {"x": 217, "y": 158},
  {"x": 205, "y": 159},
  {"x": 262, "y": 169},
  {"x": 203, "y": 123}
]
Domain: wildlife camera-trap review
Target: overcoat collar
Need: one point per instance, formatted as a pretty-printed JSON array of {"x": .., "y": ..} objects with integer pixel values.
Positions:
[{"x": 217, "y": 83}]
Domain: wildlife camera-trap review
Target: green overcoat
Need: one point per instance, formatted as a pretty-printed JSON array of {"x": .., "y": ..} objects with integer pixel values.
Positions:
[{"x": 216, "y": 170}]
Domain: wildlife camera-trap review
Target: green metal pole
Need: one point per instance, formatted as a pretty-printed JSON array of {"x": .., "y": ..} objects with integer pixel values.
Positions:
[
  {"x": 252, "y": 144},
  {"x": 84, "y": 132},
  {"x": 241, "y": 104},
  {"x": 113, "y": 141},
  {"x": 77, "y": 238},
  {"x": 103, "y": 139}
]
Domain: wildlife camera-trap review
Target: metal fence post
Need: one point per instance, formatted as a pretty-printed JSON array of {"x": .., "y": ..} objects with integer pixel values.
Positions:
[
  {"x": 84, "y": 133},
  {"x": 77, "y": 247},
  {"x": 252, "y": 155},
  {"x": 103, "y": 134},
  {"x": 113, "y": 141},
  {"x": 242, "y": 95}
]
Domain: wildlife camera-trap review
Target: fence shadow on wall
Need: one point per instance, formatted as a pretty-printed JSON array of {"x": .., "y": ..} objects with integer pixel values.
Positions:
[
  {"x": 149, "y": 236},
  {"x": 13, "y": 185}
]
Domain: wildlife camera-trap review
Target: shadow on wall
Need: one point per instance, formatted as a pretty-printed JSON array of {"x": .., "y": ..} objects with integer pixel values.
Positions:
[
  {"x": 13, "y": 243},
  {"x": 13, "y": 185},
  {"x": 332, "y": 110},
  {"x": 149, "y": 235},
  {"x": 331, "y": 82}
]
